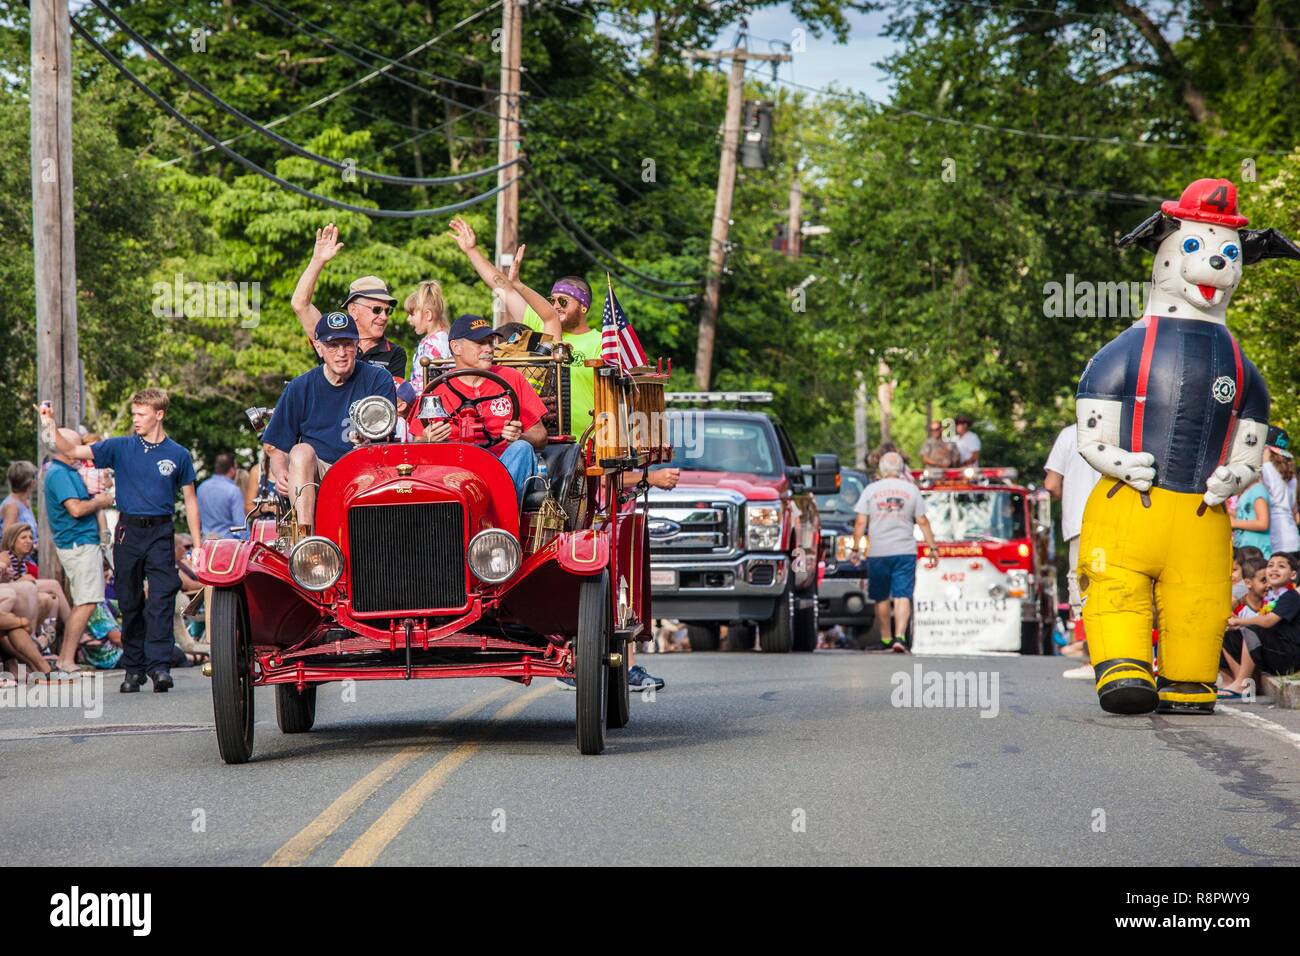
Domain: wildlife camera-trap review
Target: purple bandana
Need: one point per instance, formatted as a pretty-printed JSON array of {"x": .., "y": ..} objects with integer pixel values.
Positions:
[{"x": 573, "y": 291}]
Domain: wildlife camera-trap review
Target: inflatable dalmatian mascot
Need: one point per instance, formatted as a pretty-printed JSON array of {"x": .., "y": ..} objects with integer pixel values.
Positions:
[{"x": 1174, "y": 417}]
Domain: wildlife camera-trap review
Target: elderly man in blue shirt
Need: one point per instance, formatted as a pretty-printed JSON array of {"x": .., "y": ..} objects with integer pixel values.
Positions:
[{"x": 221, "y": 503}]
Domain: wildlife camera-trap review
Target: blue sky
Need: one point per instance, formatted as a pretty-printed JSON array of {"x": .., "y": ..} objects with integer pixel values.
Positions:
[{"x": 848, "y": 65}]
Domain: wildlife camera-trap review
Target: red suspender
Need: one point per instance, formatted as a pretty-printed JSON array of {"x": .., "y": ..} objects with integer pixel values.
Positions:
[
  {"x": 1236, "y": 400},
  {"x": 1144, "y": 372}
]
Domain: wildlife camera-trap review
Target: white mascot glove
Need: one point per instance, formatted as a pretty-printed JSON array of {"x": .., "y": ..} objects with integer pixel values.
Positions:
[
  {"x": 1134, "y": 468},
  {"x": 1227, "y": 481}
]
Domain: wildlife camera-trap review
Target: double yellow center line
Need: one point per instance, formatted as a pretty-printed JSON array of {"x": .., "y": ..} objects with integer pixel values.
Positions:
[{"x": 367, "y": 847}]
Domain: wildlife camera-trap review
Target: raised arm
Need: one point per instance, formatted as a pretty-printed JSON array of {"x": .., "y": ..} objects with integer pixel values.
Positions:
[
  {"x": 327, "y": 247},
  {"x": 494, "y": 278},
  {"x": 58, "y": 438},
  {"x": 541, "y": 305}
]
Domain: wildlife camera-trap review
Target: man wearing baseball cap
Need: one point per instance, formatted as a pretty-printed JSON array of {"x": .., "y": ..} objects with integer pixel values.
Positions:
[
  {"x": 369, "y": 302},
  {"x": 480, "y": 408},
  {"x": 1281, "y": 496},
  {"x": 308, "y": 428}
]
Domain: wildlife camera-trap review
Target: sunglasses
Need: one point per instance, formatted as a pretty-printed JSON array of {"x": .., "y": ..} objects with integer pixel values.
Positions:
[
  {"x": 380, "y": 309},
  {"x": 562, "y": 301}
]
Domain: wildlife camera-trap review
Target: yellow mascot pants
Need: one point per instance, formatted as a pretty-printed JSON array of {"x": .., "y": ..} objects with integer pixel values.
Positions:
[{"x": 1127, "y": 551}]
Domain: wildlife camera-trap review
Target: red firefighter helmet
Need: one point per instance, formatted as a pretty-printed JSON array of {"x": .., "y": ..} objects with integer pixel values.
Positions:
[{"x": 1207, "y": 200}]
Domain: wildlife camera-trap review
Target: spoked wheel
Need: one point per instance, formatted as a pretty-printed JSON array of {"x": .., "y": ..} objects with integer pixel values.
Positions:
[
  {"x": 595, "y": 627},
  {"x": 232, "y": 674},
  {"x": 295, "y": 712},
  {"x": 619, "y": 708}
]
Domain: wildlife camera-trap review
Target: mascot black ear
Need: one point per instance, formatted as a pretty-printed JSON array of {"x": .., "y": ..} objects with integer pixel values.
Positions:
[
  {"x": 1257, "y": 244},
  {"x": 1151, "y": 233}
]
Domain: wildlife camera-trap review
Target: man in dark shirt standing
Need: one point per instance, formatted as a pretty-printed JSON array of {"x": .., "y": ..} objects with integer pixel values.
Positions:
[
  {"x": 150, "y": 469},
  {"x": 308, "y": 430},
  {"x": 368, "y": 302}
]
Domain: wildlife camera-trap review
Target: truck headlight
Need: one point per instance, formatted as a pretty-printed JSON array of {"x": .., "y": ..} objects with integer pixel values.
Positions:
[
  {"x": 374, "y": 417},
  {"x": 763, "y": 527},
  {"x": 494, "y": 555},
  {"x": 315, "y": 563}
]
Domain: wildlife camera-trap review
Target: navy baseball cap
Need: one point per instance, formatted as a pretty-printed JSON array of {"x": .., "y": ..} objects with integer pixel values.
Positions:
[
  {"x": 336, "y": 325},
  {"x": 472, "y": 327}
]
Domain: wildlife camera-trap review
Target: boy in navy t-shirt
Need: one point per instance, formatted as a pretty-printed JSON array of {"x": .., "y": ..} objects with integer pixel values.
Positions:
[
  {"x": 309, "y": 428},
  {"x": 150, "y": 470}
]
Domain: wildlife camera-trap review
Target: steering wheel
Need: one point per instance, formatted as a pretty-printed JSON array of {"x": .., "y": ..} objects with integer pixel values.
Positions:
[{"x": 471, "y": 404}]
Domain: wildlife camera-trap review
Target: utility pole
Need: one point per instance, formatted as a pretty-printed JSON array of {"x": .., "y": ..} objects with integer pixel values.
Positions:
[
  {"x": 885, "y": 395},
  {"x": 57, "y": 367},
  {"x": 794, "y": 230},
  {"x": 508, "y": 134},
  {"x": 722, "y": 200}
]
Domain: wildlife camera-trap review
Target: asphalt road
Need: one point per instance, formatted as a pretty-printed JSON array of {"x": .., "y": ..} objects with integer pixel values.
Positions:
[{"x": 742, "y": 759}]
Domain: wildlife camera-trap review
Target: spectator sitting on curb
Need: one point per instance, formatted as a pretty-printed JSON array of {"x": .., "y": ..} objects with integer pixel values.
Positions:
[
  {"x": 17, "y": 506},
  {"x": 17, "y": 543},
  {"x": 1268, "y": 640}
]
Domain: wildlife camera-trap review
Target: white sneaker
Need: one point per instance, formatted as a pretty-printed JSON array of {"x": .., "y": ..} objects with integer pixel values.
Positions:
[{"x": 1082, "y": 672}]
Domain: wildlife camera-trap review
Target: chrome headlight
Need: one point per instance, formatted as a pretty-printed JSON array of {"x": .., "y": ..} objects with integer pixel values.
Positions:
[
  {"x": 374, "y": 417},
  {"x": 315, "y": 563},
  {"x": 763, "y": 527},
  {"x": 1018, "y": 584},
  {"x": 494, "y": 555}
]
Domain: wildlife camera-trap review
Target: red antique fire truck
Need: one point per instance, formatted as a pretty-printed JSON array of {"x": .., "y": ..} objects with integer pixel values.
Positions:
[
  {"x": 994, "y": 589},
  {"x": 421, "y": 565}
]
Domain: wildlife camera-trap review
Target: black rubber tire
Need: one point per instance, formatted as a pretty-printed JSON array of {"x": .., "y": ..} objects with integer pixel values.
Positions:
[
  {"x": 806, "y": 625},
  {"x": 704, "y": 637},
  {"x": 1031, "y": 637},
  {"x": 740, "y": 638},
  {"x": 595, "y": 627},
  {"x": 295, "y": 712},
  {"x": 776, "y": 634},
  {"x": 232, "y": 675},
  {"x": 618, "y": 709}
]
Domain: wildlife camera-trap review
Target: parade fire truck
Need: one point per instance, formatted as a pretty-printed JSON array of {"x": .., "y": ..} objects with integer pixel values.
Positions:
[
  {"x": 994, "y": 589},
  {"x": 422, "y": 566}
]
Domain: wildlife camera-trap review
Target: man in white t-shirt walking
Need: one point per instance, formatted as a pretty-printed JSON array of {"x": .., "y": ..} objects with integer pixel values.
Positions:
[
  {"x": 968, "y": 443},
  {"x": 1281, "y": 499},
  {"x": 1071, "y": 479},
  {"x": 888, "y": 511}
]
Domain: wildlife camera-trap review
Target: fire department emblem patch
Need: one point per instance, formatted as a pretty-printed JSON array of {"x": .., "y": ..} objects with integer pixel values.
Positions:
[
  {"x": 165, "y": 467},
  {"x": 1224, "y": 390},
  {"x": 500, "y": 406}
]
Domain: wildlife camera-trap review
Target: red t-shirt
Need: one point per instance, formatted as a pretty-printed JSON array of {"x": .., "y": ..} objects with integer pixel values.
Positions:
[{"x": 493, "y": 413}]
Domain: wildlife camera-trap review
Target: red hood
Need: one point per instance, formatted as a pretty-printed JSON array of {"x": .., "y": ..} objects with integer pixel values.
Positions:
[{"x": 753, "y": 487}]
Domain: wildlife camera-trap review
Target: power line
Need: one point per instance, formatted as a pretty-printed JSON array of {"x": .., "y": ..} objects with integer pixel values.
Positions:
[
  {"x": 265, "y": 173},
  {"x": 469, "y": 110},
  {"x": 1032, "y": 134},
  {"x": 541, "y": 184},
  {"x": 452, "y": 81},
  {"x": 355, "y": 83},
  {"x": 593, "y": 258},
  {"x": 288, "y": 144}
]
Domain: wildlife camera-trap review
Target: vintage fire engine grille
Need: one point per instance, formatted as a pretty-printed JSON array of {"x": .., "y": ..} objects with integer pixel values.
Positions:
[{"x": 407, "y": 557}]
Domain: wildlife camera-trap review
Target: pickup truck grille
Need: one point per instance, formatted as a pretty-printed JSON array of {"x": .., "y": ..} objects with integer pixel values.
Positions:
[
  {"x": 407, "y": 557},
  {"x": 691, "y": 529}
]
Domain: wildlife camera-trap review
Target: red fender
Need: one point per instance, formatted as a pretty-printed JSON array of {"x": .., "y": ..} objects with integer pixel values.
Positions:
[
  {"x": 583, "y": 552},
  {"x": 224, "y": 561}
]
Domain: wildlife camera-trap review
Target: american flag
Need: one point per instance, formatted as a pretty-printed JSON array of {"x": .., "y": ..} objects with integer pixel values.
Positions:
[{"x": 618, "y": 342}]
